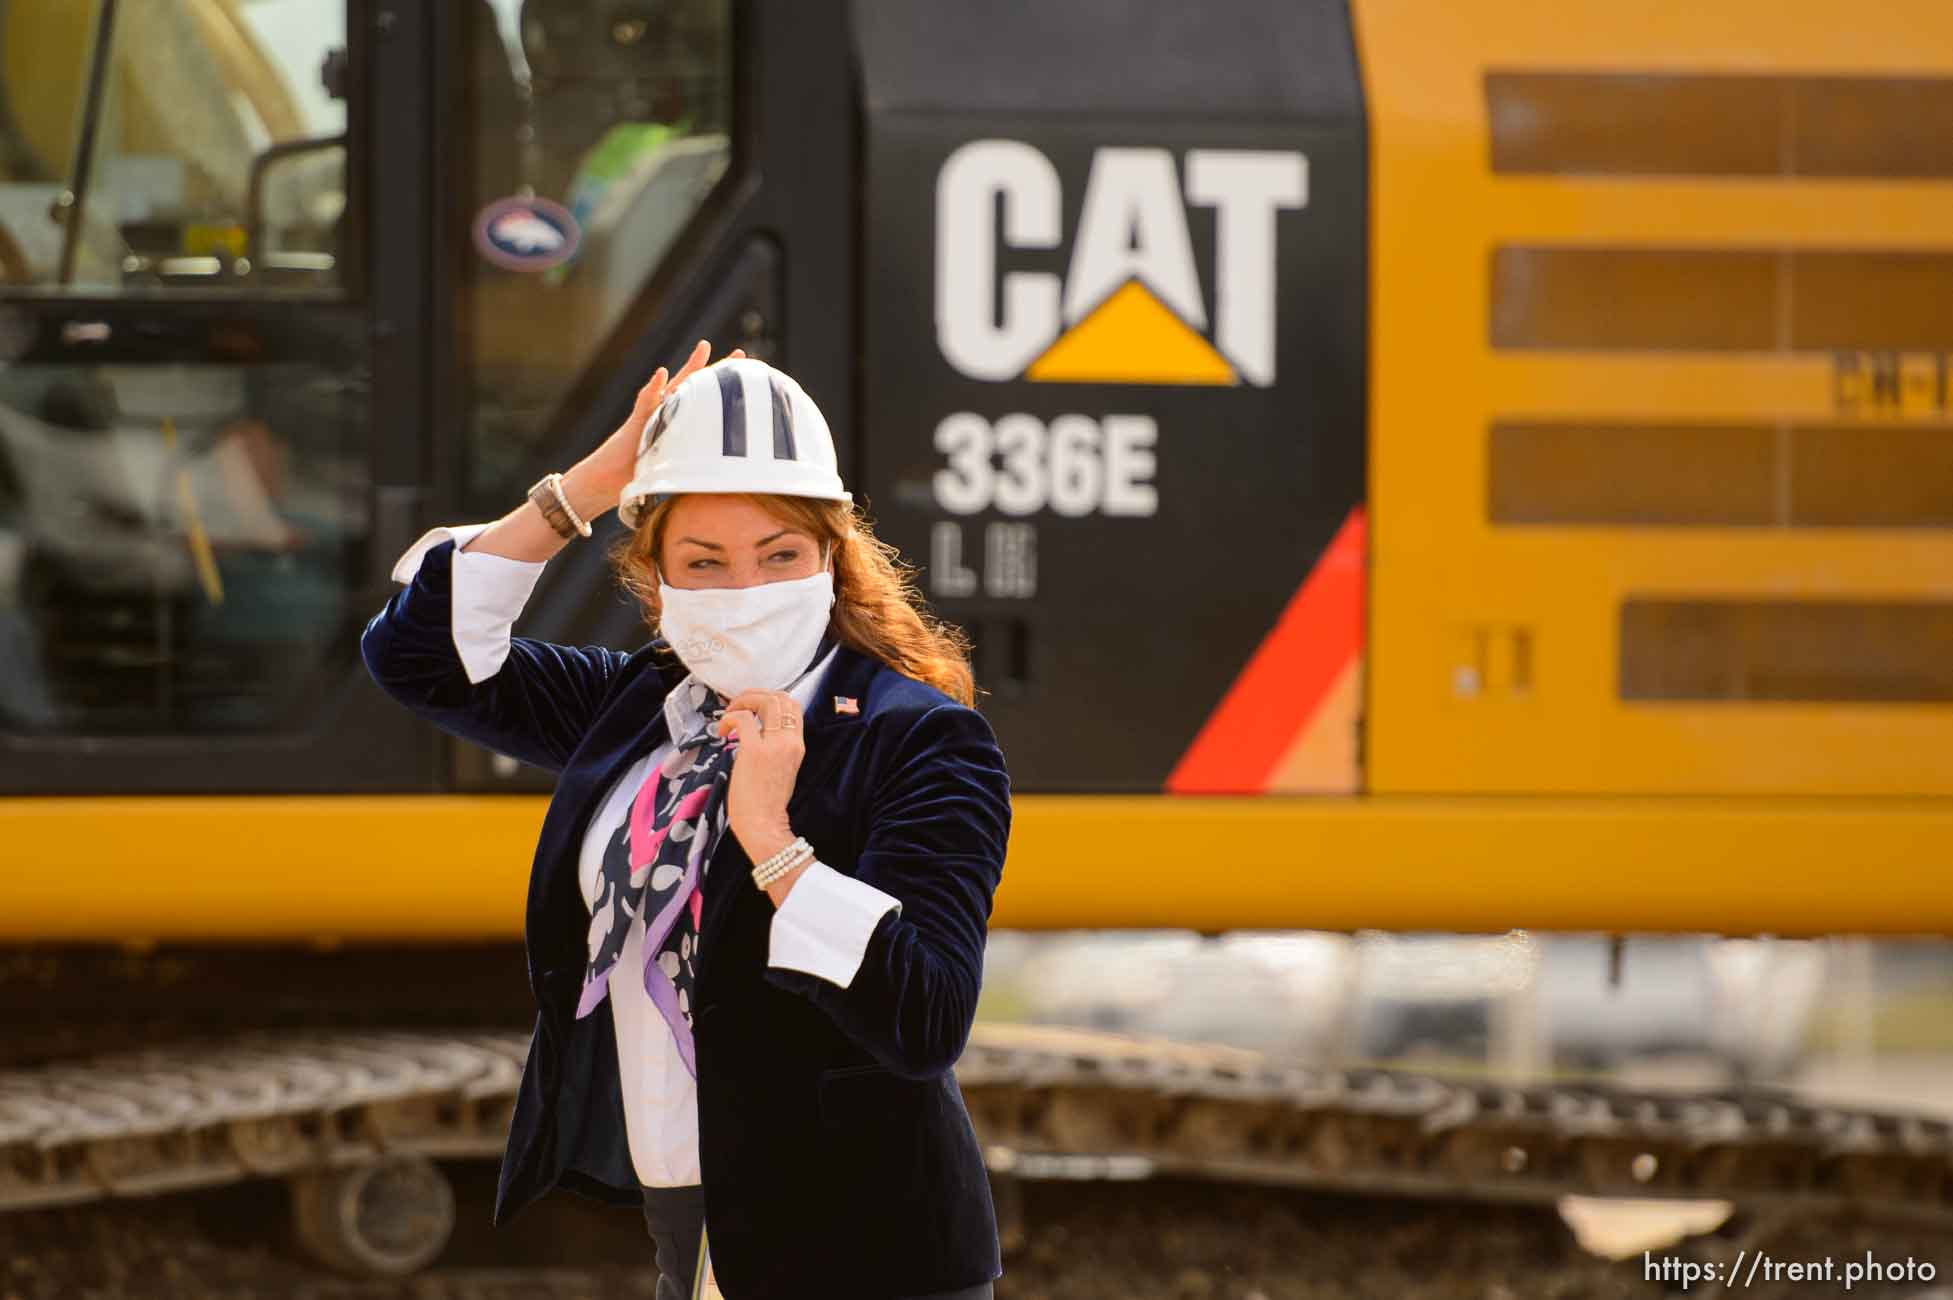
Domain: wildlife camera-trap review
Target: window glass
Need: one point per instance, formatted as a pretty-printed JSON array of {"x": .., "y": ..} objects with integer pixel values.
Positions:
[
  {"x": 599, "y": 127},
  {"x": 204, "y": 149},
  {"x": 178, "y": 545}
]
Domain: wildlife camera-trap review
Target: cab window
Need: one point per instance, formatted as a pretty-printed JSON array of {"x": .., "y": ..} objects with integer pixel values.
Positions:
[
  {"x": 188, "y": 146},
  {"x": 598, "y": 129},
  {"x": 184, "y": 494}
]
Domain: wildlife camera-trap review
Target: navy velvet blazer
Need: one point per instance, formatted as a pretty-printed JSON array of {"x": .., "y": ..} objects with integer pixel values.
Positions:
[{"x": 833, "y": 1140}]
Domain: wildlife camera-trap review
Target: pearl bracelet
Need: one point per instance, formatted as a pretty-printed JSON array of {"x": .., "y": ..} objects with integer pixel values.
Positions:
[
  {"x": 799, "y": 843},
  {"x": 783, "y": 862},
  {"x": 784, "y": 871},
  {"x": 554, "y": 503}
]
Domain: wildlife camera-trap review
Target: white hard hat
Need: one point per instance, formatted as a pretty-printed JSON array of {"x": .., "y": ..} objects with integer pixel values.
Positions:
[{"x": 737, "y": 426}]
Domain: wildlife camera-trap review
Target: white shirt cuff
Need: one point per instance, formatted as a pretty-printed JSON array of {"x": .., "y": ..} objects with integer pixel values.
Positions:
[
  {"x": 825, "y": 923},
  {"x": 486, "y": 594}
]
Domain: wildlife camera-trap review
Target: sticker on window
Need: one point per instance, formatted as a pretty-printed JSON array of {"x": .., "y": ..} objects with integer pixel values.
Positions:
[{"x": 526, "y": 234}]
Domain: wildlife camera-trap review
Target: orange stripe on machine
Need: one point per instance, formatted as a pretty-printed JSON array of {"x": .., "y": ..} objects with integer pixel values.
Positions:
[{"x": 1283, "y": 694}]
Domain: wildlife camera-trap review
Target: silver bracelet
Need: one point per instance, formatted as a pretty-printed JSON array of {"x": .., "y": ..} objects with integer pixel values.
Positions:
[{"x": 783, "y": 862}]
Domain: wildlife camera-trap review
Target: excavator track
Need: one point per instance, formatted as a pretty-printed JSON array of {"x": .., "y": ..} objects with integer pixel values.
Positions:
[
  {"x": 199, "y": 1114},
  {"x": 1048, "y": 1104},
  {"x": 1062, "y": 1103}
]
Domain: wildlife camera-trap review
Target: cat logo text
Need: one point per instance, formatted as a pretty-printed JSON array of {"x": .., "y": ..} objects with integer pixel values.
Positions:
[{"x": 1130, "y": 307}]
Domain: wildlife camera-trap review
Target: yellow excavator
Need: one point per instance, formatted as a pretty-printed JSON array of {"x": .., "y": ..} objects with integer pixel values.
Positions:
[{"x": 1404, "y": 468}]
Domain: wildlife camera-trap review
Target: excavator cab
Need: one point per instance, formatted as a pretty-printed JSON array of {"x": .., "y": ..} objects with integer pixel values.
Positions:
[
  {"x": 282, "y": 282},
  {"x": 288, "y": 281}
]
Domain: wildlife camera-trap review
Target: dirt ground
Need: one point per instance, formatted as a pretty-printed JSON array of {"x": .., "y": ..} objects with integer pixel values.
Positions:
[
  {"x": 1171, "y": 1240},
  {"x": 1196, "y": 1241},
  {"x": 235, "y": 1243},
  {"x": 1157, "y": 1240}
]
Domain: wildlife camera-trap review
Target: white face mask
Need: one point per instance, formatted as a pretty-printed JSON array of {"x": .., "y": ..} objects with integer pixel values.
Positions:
[{"x": 747, "y": 638}]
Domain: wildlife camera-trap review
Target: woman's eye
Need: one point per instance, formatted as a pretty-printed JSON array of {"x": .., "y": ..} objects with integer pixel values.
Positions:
[
  {"x": 786, "y": 555},
  {"x": 699, "y": 563}
]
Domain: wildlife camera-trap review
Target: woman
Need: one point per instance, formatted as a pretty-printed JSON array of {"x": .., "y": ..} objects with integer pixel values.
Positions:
[{"x": 774, "y": 1062}]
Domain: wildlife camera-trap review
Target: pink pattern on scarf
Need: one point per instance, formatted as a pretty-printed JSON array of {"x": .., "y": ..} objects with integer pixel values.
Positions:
[{"x": 644, "y": 838}]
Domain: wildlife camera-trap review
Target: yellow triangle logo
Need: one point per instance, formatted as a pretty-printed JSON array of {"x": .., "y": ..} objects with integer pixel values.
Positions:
[{"x": 1131, "y": 338}]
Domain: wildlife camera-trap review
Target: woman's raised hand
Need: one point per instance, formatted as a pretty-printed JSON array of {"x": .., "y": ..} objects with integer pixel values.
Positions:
[
  {"x": 613, "y": 463},
  {"x": 592, "y": 485}
]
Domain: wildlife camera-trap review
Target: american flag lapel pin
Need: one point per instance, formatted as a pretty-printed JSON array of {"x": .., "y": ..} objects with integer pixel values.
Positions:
[{"x": 846, "y": 704}]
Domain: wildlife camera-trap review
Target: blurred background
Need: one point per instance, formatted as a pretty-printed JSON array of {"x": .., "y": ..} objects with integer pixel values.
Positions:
[{"x": 1451, "y": 506}]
